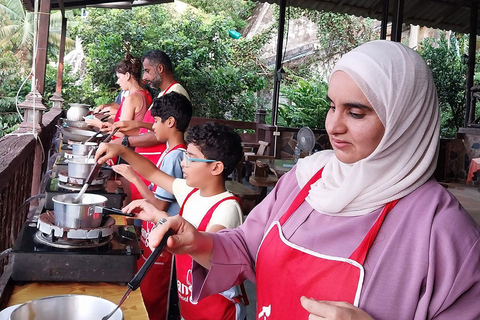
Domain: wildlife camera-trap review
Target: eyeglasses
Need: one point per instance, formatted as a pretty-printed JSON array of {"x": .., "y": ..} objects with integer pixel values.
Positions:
[{"x": 187, "y": 160}]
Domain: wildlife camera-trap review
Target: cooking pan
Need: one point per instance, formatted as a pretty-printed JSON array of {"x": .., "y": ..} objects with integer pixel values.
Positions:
[
  {"x": 71, "y": 307},
  {"x": 76, "y": 134},
  {"x": 87, "y": 213},
  {"x": 81, "y": 124}
]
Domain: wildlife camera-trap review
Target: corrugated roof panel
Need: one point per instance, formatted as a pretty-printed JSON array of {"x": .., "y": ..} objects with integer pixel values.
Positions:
[{"x": 443, "y": 14}]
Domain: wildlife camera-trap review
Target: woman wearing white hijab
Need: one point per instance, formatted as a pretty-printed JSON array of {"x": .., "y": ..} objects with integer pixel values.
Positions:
[{"x": 361, "y": 231}]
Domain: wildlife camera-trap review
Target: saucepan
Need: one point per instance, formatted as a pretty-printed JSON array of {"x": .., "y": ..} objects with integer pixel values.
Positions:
[
  {"x": 82, "y": 149},
  {"x": 87, "y": 213},
  {"x": 80, "y": 167},
  {"x": 71, "y": 307}
]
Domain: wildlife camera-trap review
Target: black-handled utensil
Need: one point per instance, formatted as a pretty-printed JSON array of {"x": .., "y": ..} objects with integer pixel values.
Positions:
[
  {"x": 137, "y": 279},
  {"x": 108, "y": 211},
  {"x": 109, "y": 137},
  {"x": 93, "y": 136}
]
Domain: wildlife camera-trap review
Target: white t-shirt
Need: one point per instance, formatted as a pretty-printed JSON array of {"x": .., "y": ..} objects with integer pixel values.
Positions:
[
  {"x": 227, "y": 214},
  {"x": 178, "y": 88}
]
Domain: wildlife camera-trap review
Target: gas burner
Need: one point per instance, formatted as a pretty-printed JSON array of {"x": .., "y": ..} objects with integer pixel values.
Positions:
[
  {"x": 71, "y": 183},
  {"x": 71, "y": 243},
  {"x": 46, "y": 224},
  {"x": 78, "y": 187},
  {"x": 69, "y": 154}
]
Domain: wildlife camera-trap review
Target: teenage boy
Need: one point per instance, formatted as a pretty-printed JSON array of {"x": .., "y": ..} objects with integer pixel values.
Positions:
[
  {"x": 212, "y": 154},
  {"x": 172, "y": 113}
]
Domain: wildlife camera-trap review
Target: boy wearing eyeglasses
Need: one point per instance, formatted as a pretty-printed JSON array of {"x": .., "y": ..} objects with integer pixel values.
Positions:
[
  {"x": 172, "y": 113},
  {"x": 213, "y": 152}
]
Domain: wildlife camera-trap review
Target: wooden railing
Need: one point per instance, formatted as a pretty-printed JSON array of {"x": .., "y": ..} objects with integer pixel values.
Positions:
[{"x": 22, "y": 161}]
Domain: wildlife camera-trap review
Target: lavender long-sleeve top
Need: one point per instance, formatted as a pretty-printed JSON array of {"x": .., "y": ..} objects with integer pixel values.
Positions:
[{"x": 424, "y": 263}]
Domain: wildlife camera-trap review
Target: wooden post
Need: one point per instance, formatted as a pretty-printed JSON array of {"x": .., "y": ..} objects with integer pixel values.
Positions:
[{"x": 41, "y": 57}]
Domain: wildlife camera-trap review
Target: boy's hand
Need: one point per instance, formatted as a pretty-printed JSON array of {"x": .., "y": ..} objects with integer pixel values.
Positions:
[
  {"x": 182, "y": 240},
  {"x": 126, "y": 171},
  {"x": 107, "y": 151},
  {"x": 144, "y": 210}
]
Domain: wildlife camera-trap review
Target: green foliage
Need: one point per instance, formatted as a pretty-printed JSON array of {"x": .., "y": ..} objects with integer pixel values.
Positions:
[
  {"x": 11, "y": 77},
  {"x": 207, "y": 61},
  {"x": 307, "y": 104},
  {"x": 237, "y": 10},
  {"x": 443, "y": 56}
]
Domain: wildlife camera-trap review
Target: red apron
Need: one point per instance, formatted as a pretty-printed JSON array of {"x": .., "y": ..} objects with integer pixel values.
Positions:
[
  {"x": 216, "y": 306},
  {"x": 152, "y": 153},
  {"x": 283, "y": 266},
  {"x": 156, "y": 284}
]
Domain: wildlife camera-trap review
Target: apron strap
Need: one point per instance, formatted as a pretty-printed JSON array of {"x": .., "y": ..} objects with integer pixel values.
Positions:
[
  {"x": 300, "y": 197},
  {"x": 360, "y": 253},
  {"x": 208, "y": 216},
  {"x": 185, "y": 201}
]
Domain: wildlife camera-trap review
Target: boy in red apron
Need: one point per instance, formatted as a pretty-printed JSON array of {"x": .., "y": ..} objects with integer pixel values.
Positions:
[
  {"x": 172, "y": 113},
  {"x": 212, "y": 154}
]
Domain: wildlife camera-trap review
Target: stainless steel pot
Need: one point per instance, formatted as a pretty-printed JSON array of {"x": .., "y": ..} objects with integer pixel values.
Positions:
[
  {"x": 80, "y": 167},
  {"x": 82, "y": 149},
  {"x": 71, "y": 307},
  {"x": 77, "y": 111},
  {"x": 78, "y": 215}
]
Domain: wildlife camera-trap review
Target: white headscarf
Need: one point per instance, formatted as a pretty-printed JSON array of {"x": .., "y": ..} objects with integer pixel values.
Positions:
[{"x": 399, "y": 86}]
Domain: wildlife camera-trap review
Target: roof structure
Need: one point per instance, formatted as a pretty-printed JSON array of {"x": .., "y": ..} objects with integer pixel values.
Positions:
[{"x": 441, "y": 14}]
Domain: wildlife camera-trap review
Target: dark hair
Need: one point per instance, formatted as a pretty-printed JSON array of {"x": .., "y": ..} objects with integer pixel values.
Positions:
[
  {"x": 176, "y": 105},
  {"x": 218, "y": 142},
  {"x": 157, "y": 57},
  {"x": 131, "y": 65}
]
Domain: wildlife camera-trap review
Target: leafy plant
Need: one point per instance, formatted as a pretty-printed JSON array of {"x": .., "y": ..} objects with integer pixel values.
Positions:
[
  {"x": 307, "y": 104},
  {"x": 443, "y": 56},
  {"x": 207, "y": 61}
]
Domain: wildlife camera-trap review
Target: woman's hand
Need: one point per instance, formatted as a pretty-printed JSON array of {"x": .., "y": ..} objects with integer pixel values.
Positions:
[
  {"x": 126, "y": 171},
  {"x": 183, "y": 237},
  {"x": 144, "y": 210},
  {"x": 94, "y": 122},
  {"x": 332, "y": 310},
  {"x": 106, "y": 127}
]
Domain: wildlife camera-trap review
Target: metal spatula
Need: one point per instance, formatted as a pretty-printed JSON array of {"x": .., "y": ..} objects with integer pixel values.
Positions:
[{"x": 137, "y": 279}]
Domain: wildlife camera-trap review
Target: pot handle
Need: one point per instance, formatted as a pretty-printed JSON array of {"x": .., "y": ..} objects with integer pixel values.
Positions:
[
  {"x": 108, "y": 211},
  {"x": 137, "y": 279}
]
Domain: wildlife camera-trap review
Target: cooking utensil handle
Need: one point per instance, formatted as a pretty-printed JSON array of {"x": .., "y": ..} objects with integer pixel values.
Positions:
[
  {"x": 93, "y": 136},
  {"x": 93, "y": 174},
  {"x": 109, "y": 137},
  {"x": 137, "y": 279},
  {"x": 116, "y": 211}
]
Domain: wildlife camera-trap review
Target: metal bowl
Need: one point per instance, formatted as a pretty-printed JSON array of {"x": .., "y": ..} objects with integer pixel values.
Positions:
[
  {"x": 71, "y": 307},
  {"x": 78, "y": 124},
  {"x": 75, "y": 134}
]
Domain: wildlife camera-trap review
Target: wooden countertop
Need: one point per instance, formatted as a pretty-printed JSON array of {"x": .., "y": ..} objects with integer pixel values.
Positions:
[{"x": 133, "y": 307}]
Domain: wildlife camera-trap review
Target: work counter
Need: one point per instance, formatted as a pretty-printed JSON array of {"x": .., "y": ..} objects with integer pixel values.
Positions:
[{"x": 133, "y": 308}]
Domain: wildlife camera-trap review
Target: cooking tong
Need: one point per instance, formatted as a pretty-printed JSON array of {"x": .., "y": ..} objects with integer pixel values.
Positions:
[{"x": 137, "y": 279}]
